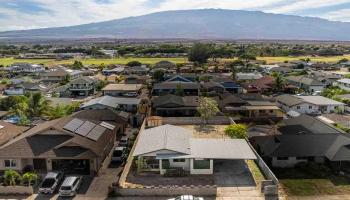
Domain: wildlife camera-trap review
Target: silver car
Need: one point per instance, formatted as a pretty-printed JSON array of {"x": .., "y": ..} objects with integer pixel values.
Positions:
[
  {"x": 70, "y": 186},
  {"x": 187, "y": 197},
  {"x": 50, "y": 182}
]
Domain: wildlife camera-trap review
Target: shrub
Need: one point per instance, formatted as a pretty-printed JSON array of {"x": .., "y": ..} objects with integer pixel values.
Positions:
[
  {"x": 238, "y": 131},
  {"x": 11, "y": 177},
  {"x": 29, "y": 178}
]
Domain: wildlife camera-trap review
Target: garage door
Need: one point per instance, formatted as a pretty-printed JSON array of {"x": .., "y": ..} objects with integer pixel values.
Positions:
[{"x": 80, "y": 167}]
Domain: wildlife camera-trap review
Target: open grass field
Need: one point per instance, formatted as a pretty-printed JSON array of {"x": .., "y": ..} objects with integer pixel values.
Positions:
[{"x": 91, "y": 61}]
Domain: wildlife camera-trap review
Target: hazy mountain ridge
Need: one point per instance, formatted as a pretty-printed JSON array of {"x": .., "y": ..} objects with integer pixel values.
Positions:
[{"x": 201, "y": 24}]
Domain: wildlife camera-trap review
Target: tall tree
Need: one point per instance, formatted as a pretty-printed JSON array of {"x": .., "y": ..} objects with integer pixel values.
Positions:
[
  {"x": 279, "y": 83},
  {"x": 208, "y": 108},
  {"x": 158, "y": 76},
  {"x": 199, "y": 53}
]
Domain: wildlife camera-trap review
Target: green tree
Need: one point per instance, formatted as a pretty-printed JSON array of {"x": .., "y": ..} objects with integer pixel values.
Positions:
[
  {"x": 30, "y": 178},
  {"x": 133, "y": 63},
  {"x": 278, "y": 84},
  {"x": 158, "y": 76},
  {"x": 37, "y": 105},
  {"x": 199, "y": 53},
  {"x": 208, "y": 108},
  {"x": 77, "y": 65},
  {"x": 236, "y": 131},
  {"x": 11, "y": 177}
]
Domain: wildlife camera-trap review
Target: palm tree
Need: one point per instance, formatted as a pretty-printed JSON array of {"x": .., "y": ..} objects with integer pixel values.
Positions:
[
  {"x": 37, "y": 105},
  {"x": 278, "y": 84},
  {"x": 11, "y": 176},
  {"x": 29, "y": 177}
]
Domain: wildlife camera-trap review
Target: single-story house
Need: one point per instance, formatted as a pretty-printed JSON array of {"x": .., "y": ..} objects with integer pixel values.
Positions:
[
  {"x": 188, "y": 88},
  {"x": 114, "y": 103},
  {"x": 56, "y": 75},
  {"x": 122, "y": 89},
  {"x": 344, "y": 84},
  {"x": 307, "y": 84},
  {"x": 137, "y": 70},
  {"x": 309, "y": 104},
  {"x": 76, "y": 144},
  {"x": 169, "y": 147},
  {"x": 301, "y": 140},
  {"x": 174, "y": 106}
]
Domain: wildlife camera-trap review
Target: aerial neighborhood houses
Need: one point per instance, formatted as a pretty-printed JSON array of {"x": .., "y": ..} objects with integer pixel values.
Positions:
[{"x": 213, "y": 126}]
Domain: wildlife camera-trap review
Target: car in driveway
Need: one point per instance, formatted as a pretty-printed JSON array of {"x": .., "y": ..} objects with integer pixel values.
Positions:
[
  {"x": 70, "y": 186},
  {"x": 187, "y": 197},
  {"x": 51, "y": 182},
  {"x": 119, "y": 154},
  {"x": 124, "y": 141}
]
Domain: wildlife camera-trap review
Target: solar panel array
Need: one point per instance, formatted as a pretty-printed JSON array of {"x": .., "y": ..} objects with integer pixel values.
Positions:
[{"x": 86, "y": 128}]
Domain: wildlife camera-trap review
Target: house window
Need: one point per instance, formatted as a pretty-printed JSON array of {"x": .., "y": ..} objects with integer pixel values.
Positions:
[
  {"x": 10, "y": 163},
  {"x": 178, "y": 160},
  {"x": 282, "y": 158},
  {"x": 201, "y": 164},
  {"x": 302, "y": 158},
  {"x": 310, "y": 107},
  {"x": 298, "y": 107}
]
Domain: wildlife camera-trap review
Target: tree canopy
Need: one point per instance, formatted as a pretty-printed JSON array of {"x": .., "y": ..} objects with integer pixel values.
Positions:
[
  {"x": 207, "y": 108},
  {"x": 236, "y": 131},
  {"x": 199, "y": 53}
]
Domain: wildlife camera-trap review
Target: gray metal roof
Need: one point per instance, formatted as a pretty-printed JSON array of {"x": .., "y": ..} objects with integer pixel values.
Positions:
[
  {"x": 221, "y": 149},
  {"x": 166, "y": 137},
  {"x": 179, "y": 140},
  {"x": 112, "y": 102}
]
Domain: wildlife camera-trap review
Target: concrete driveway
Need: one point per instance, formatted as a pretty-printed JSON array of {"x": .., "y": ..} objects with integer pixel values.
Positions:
[{"x": 234, "y": 180}]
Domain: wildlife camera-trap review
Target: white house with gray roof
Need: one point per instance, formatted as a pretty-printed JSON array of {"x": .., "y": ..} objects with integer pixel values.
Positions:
[
  {"x": 309, "y": 104},
  {"x": 113, "y": 103},
  {"x": 169, "y": 147}
]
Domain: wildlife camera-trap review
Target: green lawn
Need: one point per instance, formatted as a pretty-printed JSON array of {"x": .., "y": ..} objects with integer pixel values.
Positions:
[{"x": 90, "y": 61}]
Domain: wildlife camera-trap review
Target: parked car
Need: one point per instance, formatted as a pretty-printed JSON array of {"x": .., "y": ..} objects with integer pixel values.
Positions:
[
  {"x": 70, "y": 186},
  {"x": 119, "y": 154},
  {"x": 124, "y": 141},
  {"x": 131, "y": 94},
  {"x": 51, "y": 182},
  {"x": 187, "y": 197}
]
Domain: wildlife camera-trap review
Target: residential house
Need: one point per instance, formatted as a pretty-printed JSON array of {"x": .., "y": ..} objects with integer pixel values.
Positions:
[
  {"x": 166, "y": 65},
  {"x": 137, "y": 70},
  {"x": 303, "y": 139},
  {"x": 115, "y": 71},
  {"x": 127, "y": 90},
  {"x": 266, "y": 85},
  {"x": 56, "y": 75},
  {"x": 76, "y": 144},
  {"x": 174, "y": 87},
  {"x": 113, "y": 103},
  {"x": 175, "y": 106},
  {"x": 309, "y": 104},
  {"x": 228, "y": 84},
  {"x": 25, "y": 68},
  {"x": 305, "y": 83},
  {"x": 248, "y": 76},
  {"x": 83, "y": 86},
  {"x": 212, "y": 88},
  {"x": 166, "y": 148},
  {"x": 344, "y": 84},
  {"x": 135, "y": 79}
]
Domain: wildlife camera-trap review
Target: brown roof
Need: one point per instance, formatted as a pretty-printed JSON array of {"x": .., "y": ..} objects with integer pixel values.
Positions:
[
  {"x": 10, "y": 131},
  {"x": 56, "y": 72},
  {"x": 49, "y": 139}
]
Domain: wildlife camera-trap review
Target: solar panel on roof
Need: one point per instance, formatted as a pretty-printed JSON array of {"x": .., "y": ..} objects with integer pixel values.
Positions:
[
  {"x": 84, "y": 129},
  {"x": 96, "y": 132},
  {"x": 73, "y": 125},
  {"x": 107, "y": 125}
]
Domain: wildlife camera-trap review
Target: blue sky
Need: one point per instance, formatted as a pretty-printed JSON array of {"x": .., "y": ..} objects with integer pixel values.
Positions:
[{"x": 27, "y": 14}]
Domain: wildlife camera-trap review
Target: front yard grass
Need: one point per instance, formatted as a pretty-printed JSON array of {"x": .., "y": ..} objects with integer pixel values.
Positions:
[{"x": 312, "y": 180}]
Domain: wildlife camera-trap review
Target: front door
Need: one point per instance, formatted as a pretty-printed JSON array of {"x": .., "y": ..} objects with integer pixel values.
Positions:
[{"x": 40, "y": 165}]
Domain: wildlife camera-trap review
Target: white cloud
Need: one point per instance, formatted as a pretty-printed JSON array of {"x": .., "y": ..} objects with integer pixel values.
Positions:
[{"x": 73, "y": 12}]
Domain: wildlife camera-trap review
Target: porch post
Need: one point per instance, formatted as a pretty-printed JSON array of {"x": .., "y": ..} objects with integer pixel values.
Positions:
[{"x": 160, "y": 167}]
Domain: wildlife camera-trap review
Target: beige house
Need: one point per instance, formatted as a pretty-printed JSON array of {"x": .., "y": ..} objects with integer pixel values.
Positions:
[{"x": 77, "y": 144}]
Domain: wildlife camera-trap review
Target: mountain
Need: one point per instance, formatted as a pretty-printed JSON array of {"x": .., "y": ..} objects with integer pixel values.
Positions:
[{"x": 200, "y": 24}]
